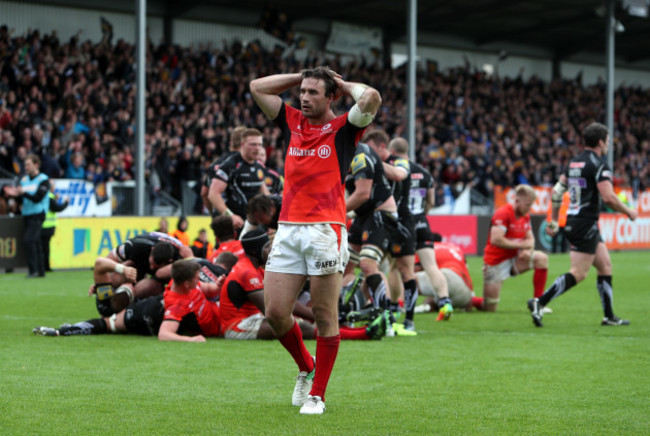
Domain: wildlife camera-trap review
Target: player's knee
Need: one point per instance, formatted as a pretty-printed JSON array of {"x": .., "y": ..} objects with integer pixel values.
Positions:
[{"x": 540, "y": 260}]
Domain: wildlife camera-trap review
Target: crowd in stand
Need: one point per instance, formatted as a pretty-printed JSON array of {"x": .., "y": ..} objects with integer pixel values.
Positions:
[{"x": 72, "y": 102}]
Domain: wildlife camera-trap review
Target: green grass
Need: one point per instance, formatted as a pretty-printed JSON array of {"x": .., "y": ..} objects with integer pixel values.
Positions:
[{"x": 477, "y": 374}]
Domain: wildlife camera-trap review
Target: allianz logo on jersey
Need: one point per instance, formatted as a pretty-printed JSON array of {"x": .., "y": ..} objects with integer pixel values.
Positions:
[{"x": 323, "y": 151}]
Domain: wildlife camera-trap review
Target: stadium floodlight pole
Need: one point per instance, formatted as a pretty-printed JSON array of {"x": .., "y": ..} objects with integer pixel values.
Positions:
[
  {"x": 141, "y": 65},
  {"x": 412, "y": 26},
  {"x": 609, "y": 106}
]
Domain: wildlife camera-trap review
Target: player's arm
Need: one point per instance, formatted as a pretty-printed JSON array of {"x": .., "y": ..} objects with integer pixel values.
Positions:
[
  {"x": 367, "y": 101},
  {"x": 498, "y": 239},
  {"x": 304, "y": 312},
  {"x": 610, "y": 198},
  {"x": 430, "y": 200},
  {"x": 257, "y": 298},
  {"x": 217, "y": 188},
  {"x": 205, "y": 199},
  {"x": 395, "y": 173},
  {"x": 185, "y": 252},
  {"x": 212, "y": 290},
  {"x": 169, "y": 332},
  {"x": 361, "y": 194},
  {"x": 264, "y": 189},
  {"x": 266, "y": 91},
  {"x": 556, "y": 197}
]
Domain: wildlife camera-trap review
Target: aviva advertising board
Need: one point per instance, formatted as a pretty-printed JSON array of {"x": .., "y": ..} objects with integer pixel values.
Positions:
[{"x": 79, "y": 241}]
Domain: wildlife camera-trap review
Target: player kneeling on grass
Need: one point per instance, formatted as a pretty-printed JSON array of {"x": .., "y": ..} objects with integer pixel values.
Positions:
[
  {"x": 510, "y": 249},
  {"x": 242, "y": 299},
  {"x": 184, "y": 308}
]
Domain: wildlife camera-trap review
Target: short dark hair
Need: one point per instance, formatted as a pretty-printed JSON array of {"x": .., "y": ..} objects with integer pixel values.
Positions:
[
  {"x": 184, "y": 270},
  {"x": 325, "y": 74},
  {"x": 593, "y": 133},
  {"x": 260, "y": 203},
  {"x": 227, "y": 259},
  {"x": 163, "y": 253},
  {"x": 223, "y": 227},
  {"x": 376, "y": 135}
]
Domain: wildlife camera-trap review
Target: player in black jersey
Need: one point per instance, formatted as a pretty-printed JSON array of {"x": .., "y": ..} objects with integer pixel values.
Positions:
[
  {"x": 398, "y": 172},
  {"x": 144, "y": 317},
  {"x": 587, "y": 179},
  {"x": 420, "y": 198},
  {"x": 148, "y": 254},
  {"x": 237, "y": 179},
  {"x": 375, "y": 224},
  {"x": 233, "y": 148}
]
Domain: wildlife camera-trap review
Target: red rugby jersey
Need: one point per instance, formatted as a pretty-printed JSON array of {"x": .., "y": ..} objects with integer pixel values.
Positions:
[
  {"x": 516, "y": 228},
  {"x": 317, "y": 158},
  {"x": 234, "y": 303},
  {"x": 451, "y": 256},
  {"x": 194, "y": 304}
]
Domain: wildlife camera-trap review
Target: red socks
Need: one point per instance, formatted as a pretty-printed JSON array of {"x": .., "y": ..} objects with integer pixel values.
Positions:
[
  {"x": 477, "y": 302},
  {"x": 294, "y": 344},
  {"x": 326, "y": 350},
  {"x": 353, "y": 333},
  {"x": 539, "y": 282}
]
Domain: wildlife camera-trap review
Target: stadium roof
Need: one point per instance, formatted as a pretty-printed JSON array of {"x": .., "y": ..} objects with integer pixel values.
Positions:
[{"x": 557, "y": 29}]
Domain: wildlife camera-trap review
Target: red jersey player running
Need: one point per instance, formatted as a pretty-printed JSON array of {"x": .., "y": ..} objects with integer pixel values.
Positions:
[
  {"x": 510, "y": 249},
  {"x": 311, "y": 240}
]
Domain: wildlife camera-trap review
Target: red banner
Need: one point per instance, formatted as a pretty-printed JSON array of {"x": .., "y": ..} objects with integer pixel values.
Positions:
[
  {"x": 457, "y": 229},
  {"x": 619, "y": 233}
]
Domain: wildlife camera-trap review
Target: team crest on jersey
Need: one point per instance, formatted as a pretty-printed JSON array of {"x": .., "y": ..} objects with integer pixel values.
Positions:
[
  {"x": 260, "y": 174},
  {"x": 324, "y": 151},
  {"x": 396, "y": 249},
  {"x": 255, "y": 281},
  {"x": 364, "y": 235},
  {"x": 358, "y": 163}
]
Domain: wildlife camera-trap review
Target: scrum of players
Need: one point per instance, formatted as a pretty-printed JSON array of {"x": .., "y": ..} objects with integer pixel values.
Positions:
[{"x": 153, "y": 285}]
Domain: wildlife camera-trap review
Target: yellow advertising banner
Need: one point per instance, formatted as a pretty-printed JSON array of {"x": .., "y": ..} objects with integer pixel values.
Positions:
[{"x": 77, "y": 242}]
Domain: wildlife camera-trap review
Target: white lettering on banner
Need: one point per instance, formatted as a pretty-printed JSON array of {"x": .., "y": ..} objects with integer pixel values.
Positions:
[
  {"x": 462, "y": 240},
  {"x": 606, "y": 226},
  {"x": 644, "y": 202},
  {"x": 81, "y": 197},
  {"x": 620, "y": 230}
]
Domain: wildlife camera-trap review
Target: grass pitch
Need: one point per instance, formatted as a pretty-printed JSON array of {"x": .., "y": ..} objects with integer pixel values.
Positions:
[{"x": 478, "y": 373}]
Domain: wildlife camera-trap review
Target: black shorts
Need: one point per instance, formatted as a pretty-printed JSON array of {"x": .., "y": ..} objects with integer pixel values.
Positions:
[
  {"x": 583, "y": 235},
  {"x": 403, "y": 242},
  {"x": 145, "y": 316},
  {"x": 423, "y": 233},
  {"x": 378, "y": 228}
]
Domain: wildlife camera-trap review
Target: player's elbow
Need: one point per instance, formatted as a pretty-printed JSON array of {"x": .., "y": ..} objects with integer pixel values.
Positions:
[{"x": 370, "y": 101}]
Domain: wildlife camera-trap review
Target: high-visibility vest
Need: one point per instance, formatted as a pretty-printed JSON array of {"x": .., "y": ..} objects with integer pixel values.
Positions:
[{"x": 50, "y": 216}]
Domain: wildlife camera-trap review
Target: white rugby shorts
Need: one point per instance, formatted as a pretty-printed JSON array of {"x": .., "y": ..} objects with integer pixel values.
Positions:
[
  {"x": 309, "y": 249},
  {"x": 247, "y": 328},
  {"x": 500, "y": 272}
]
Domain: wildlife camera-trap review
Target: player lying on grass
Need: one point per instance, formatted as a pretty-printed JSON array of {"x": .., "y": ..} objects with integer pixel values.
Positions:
[{"x": 186, "y": 307}]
